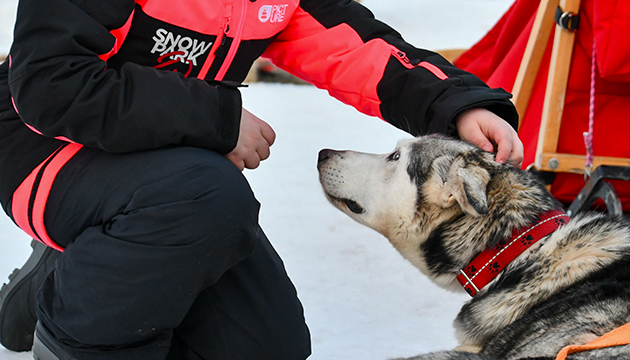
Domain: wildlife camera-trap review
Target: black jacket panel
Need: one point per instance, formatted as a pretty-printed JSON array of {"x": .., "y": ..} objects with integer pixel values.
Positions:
[{"x": 62, "y": 88}]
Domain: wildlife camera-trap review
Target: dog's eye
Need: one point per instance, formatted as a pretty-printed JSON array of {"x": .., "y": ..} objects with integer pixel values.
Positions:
[
  {"x": 353, "y": 206},
  {"x": 394, "y": 156}
]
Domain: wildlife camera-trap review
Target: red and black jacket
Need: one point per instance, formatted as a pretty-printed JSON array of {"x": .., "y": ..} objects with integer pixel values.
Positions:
[{"x": 124, "y": 75}]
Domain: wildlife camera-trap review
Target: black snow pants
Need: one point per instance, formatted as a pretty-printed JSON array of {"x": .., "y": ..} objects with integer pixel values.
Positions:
[{"x": 165, "y": 259}]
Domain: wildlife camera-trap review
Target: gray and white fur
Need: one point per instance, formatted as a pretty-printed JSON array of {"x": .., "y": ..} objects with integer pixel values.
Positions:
[{"x": 440, "y": 202}]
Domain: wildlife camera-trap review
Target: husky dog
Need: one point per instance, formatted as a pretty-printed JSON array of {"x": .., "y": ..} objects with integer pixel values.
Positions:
[{"x": 443, "y": 202}]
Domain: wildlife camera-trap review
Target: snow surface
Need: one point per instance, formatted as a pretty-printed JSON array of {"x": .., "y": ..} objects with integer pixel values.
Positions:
[{"x": 362, "y": 300}]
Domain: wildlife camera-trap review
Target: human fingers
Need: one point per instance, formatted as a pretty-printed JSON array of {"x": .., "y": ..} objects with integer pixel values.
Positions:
[
  {"x": 265, "y": 138},
  {"x": 253, "y": 142},
  {"x": 236, "y": 160},
  {"x": 263, "y": 150},
  {"x": 509, "y": 146},
  {"x": 268, "y": 138},
  {"x": 252, "y": 160},
  {"x": 249, "y": 155},
  {"x": 504, "y": 149},
  {"x": 267, "y": 133},
  {"x": 517, "y": 155},
  {"x": 263, "y": 135},
  {"x": 491, "y": 133},
  {"x": 470, "y": 130}
]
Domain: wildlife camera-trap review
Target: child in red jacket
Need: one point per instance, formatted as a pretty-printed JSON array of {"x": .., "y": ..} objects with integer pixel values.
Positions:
[{"x": 125, "y": 133}]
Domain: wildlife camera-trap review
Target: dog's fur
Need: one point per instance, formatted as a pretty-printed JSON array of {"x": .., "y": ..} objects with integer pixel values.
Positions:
[{"x": 440, "y": 202}]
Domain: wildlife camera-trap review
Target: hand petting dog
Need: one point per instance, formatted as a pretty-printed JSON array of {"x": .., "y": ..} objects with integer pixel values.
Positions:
[{"x": 483, "y": 128}]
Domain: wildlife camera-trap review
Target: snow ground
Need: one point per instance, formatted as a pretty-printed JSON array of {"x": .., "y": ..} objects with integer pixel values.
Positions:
[{"x": 362, "y": 300}]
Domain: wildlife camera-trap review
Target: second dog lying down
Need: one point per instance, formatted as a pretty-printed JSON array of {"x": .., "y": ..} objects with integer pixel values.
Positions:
[{"x": 540, "y": 282}]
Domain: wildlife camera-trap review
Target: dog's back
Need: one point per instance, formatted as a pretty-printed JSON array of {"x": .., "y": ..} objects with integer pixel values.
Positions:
[{"x": 577, "y": 285}]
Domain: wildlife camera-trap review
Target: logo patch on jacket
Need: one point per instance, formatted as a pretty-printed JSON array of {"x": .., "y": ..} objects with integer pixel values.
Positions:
[
  {"x": 184, "y": 48},
  {"x": 272, "y": 13}
]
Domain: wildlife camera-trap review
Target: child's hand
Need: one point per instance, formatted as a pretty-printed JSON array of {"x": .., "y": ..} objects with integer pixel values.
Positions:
[
  {"x": 254, "y": 139},
  {"x": 485, "y": 129}
]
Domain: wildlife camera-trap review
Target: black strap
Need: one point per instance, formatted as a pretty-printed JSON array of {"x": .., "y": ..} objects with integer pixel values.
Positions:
[{"x": 567, "y": 20}]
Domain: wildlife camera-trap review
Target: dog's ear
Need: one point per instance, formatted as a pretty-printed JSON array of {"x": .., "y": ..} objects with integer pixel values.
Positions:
[{"x": 466, "y": 185}]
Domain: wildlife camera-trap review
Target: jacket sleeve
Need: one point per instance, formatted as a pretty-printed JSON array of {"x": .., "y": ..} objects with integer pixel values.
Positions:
[
  {"x": 339, "y": 46},
  {"x": 62, "y": 88}
]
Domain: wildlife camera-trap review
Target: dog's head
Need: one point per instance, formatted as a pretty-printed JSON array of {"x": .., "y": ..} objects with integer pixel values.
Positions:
[
  {"x": 426, "y": 173},
  {"x": 430, "y": 197}
]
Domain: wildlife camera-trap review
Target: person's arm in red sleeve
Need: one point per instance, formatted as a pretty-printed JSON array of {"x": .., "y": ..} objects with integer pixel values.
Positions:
[{"x": 339, "y": 46}]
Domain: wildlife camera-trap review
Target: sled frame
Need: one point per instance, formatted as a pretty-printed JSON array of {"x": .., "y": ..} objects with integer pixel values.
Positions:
[{"x": 547, "y": 157}]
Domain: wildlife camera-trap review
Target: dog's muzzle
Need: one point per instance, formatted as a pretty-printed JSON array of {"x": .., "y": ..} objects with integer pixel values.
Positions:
[{"x": 324, "y": 155}]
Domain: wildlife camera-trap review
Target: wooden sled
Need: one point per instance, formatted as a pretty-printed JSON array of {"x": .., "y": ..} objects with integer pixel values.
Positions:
[{"x": 547, "y": 158}]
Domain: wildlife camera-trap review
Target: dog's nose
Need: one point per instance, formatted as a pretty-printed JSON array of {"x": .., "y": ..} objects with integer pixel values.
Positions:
[{"x": 324, "y": 154}]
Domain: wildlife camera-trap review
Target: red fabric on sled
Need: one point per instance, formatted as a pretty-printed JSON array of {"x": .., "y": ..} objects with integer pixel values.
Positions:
[{"x": 497, "y": 56}]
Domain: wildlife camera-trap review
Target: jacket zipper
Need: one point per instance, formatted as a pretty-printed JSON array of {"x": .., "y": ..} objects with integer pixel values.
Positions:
[
  {"x": 236, "y": 42},
  {"x": 410, "y": 64},
  {"x": 225, "y": 28},
  {"x": 404, "y": 60}
]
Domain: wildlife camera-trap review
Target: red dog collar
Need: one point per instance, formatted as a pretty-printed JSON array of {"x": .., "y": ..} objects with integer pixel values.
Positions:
[{"x": 487, "y": 265}]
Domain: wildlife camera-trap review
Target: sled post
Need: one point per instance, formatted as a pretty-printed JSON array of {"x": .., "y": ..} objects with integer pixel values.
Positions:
[
  {"x": 555, "y": 93},
  {"x": 547, "y": 156},
  {"x": 530, "y": 64}
]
